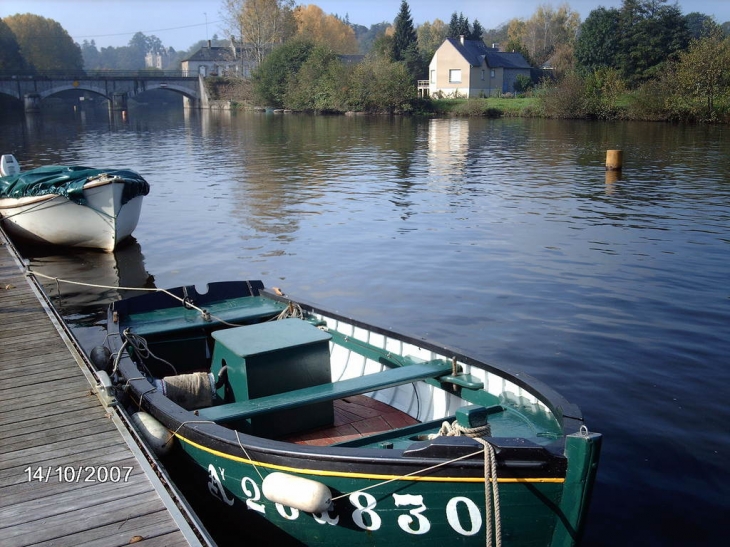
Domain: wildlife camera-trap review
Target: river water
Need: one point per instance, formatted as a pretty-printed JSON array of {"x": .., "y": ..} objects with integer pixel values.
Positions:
[{"x": 504, "y": 238}]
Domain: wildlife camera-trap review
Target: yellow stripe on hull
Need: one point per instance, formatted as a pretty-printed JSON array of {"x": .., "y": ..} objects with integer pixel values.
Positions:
[{"x": 321, "y": 473}]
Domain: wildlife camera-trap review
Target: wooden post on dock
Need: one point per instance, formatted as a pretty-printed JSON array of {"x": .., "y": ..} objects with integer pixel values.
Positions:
[{"x": 614, "y": 160}]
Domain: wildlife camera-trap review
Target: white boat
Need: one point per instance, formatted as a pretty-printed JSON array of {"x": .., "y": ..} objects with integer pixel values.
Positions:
[{"x": 71, "y": 206}]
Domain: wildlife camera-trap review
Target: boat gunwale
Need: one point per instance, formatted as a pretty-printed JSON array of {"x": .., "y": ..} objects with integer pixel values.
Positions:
[{"x": 29, "y": 200}]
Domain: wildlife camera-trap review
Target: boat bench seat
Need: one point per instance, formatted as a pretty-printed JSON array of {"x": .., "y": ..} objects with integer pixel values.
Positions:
[
  {"x": 244, "y": 310},
  {"x": 326, "y": 392}
]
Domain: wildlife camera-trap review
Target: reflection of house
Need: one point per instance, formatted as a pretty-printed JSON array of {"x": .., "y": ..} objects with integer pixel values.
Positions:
[
  {"x": 468, "y": 68},
  {"x": 218, "y": 61}
]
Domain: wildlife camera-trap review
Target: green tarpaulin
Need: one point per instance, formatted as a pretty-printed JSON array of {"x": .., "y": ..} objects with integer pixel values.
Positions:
[{"x": 68, "y": 181}]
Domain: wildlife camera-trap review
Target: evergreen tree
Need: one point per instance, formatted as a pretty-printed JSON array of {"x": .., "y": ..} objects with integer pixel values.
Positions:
[
  {"x": 598, "y": 43},
  {"x": 459, "y": 26},
  {"x": 404, "y": 36},
  {"x": 476, "y": 32}
]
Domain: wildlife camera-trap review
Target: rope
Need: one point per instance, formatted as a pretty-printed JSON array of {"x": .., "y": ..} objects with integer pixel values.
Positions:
[
  {"x": 449, "y": 462},
  {"x": 292, "y": 310},
  {"x": 139, "y": 344},
  {"x": 184, "y": 301},
  {"x": 491, "y": 499}
]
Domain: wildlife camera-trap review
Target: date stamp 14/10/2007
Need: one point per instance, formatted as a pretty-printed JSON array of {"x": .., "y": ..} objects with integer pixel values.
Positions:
[{"x": 78, "y": 474}]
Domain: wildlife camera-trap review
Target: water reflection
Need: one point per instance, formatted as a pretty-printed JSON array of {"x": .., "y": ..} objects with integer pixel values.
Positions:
[
  {"x": 504, "y": 238},
  {"x": 98, "y": 278}
]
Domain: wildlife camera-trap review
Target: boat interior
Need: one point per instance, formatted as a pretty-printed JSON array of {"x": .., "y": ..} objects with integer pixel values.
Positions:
[{"x": 303, "y": 382}]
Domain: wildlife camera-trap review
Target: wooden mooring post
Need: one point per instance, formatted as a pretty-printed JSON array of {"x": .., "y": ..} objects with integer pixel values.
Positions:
[{"x": 614, "y": 160}]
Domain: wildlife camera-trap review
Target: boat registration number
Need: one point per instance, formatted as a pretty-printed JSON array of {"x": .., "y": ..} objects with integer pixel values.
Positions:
[{"x": 462, "y": 513}]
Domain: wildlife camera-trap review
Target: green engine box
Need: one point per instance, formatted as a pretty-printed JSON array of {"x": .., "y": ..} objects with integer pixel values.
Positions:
[{"x": 271, "y": 358}]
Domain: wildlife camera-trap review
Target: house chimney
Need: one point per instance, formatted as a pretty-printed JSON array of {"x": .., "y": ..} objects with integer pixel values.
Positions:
[
  {"x": 461, "y": 39},
  {"x": 210, "y": 44}
]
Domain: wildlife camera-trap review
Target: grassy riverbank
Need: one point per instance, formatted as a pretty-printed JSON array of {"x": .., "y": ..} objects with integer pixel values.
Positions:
[{"x": 491, "y": 107}]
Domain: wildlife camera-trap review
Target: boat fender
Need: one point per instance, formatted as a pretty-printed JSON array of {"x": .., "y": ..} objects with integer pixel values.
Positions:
[
  {"x": 157, "y": 436},
  {"x": 297, "y": 492},
  {"x": 9, "y": 165},
  {"x": 101, "y": 358}
]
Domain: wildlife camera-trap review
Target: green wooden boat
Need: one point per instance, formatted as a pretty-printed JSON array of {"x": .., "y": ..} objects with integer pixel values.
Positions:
[{"x": 343, "y": 433}]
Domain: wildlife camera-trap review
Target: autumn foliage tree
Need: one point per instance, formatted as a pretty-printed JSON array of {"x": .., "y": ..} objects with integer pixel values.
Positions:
[
  {"x": 10, "y": 56},
  {"x": 540, "y": 36},
  {"x": 259, "y": 24},
  {"x": 34, "y": 34},
  {"x": 314, "y": 25}
]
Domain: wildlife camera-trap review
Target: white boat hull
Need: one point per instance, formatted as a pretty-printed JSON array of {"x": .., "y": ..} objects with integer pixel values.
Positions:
[{"x": 102, "y": 223}]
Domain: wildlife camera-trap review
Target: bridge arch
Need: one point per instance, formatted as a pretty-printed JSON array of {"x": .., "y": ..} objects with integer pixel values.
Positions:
[{"x": 108, "y": 84}]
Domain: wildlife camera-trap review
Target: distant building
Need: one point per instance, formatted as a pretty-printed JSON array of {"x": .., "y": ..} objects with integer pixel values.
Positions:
[
  {"x": 219, "y": 61},
  {"x": 468, "y": 68},
  {"x": 157, "y": 59}
]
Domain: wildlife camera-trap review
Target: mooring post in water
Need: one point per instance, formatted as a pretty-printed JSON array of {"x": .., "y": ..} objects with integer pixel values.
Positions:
[{"x": 614, "y": 160}]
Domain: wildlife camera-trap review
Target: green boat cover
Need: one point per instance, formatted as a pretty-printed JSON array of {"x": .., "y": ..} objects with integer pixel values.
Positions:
[{"x": 68, "y": 181}]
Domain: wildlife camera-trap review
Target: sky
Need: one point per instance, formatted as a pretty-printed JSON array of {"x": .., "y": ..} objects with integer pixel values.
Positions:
[{"x": 182, "y": 23}]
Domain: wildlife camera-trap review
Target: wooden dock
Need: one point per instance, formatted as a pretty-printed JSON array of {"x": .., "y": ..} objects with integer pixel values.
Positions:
[{"x": 71, "y": 471}]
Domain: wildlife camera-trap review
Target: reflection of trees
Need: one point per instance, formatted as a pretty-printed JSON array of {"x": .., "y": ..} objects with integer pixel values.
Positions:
[{"x": 288, "y": 162}]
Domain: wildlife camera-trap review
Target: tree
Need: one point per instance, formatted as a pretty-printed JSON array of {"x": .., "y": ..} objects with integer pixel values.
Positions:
[
  {"x": 515, "y": 37},
  {"x": 328, "y": 30},
  {"x": 459, "y": 26},
  {"x": 404, "y": 37},
  {"x": 91, "y": 55},
  {"x": 271, "y": 78},
  {"x": 477, "y": 31},
  {"x": 700, "y": 25},
  {"x": 496, "y": 35},
  {"x": 431, "y": 36},
  {"x": 367, "y": 38},
  {"x": 599, "y": 41},
  {"x": 10, "y": 57},
  {"x": 260, "y": 24},
  {"x": 319, "y": 84},
  {"x": 702, "y": 73},
  {"x": 651, "y": 32},
  {"x": 545, "y": 31},
  {"x": 44, "y": 43},
  {"x": 638, "y": 39},
  {"x": 380, "y": 85}
]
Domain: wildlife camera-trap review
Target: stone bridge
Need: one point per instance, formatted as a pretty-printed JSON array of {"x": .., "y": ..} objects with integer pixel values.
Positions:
[{"x": 115, "y": 86}]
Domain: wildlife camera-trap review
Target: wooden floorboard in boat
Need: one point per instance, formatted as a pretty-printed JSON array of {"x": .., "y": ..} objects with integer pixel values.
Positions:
[
  {"x": 355, "y": 417},
  {"x": 51, "y": 423}
]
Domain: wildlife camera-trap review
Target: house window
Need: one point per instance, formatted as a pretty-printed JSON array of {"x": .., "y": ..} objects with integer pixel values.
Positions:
[
  {"x": 433, "y": 76},
  {"x": 455, "y": 76},
  {"x": 482, "y": 75},
  {"x": 491, "y": 73}
]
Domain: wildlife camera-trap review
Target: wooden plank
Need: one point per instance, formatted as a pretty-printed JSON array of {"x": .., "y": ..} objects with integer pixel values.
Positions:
[
  {"x": 325, "y": 392},
  {"x": 150, "y": 527},
  {"x": 51, "y": 427}
]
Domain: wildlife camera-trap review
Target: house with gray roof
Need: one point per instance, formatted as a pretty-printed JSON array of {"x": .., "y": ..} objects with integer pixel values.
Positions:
[
  {"x": 219, "y": 61},
  {"x": 468, "y": 68}
]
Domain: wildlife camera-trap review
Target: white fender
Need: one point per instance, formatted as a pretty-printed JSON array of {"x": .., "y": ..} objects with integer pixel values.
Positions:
[
  {"x": 297, "y": 492},
  {"x": 158, "y": 437},
  {"x": 9, "y": 165}
]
